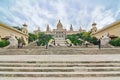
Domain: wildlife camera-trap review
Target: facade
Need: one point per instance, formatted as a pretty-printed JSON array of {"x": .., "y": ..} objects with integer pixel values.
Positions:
[
  {"x": 60, "y": 33},
  {"x": 60, "y": 28},
  {"x": 111, "y": 30},
  {"x": 7, "y": 32}
]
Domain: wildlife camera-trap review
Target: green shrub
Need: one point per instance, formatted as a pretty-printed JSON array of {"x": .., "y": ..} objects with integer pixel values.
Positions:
[
  {"x": 94, "y": 40},
  {"x": 115, "y": 42},
  {"x": 77, "y": 39},
  {"x": 4, "y": 43},
  {"x": 21, "y": 40},
  {"x": 42, "y": 38},
  {"x": 32, "y": 37}
]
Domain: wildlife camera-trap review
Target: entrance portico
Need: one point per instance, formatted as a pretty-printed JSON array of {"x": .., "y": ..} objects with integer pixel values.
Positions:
[{"x": 59, "y": 34}]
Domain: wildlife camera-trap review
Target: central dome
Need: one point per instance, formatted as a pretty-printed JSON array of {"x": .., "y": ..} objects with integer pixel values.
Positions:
[{"x": 59, "y": 25}]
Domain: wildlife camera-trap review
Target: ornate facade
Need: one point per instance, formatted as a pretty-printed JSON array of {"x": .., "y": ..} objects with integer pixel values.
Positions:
[
  {"x": 7, "y": 32},
  {"x": 60, "y": 28},
  {"x": 111, "y": 30},
  {"x": 60, "y": 33}
]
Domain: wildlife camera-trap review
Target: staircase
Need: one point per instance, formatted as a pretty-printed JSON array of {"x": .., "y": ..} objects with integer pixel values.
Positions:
[
  {"x": 60, "y": 66},
  {"x": 60, "y": 69},
  {"x": 60, "y": 41}
]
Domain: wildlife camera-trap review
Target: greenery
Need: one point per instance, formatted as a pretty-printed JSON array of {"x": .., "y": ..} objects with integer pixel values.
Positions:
[
  {"x": 74, "y": 38},
  {"x": 4, "y": 43},
  {"x": 32, "y": 37},
  {"x": 42, "y": 38},
  {"x": 79, "y": 38},
  {"x": 21, "y": 40},
  {"x": 115, "y": 42}
]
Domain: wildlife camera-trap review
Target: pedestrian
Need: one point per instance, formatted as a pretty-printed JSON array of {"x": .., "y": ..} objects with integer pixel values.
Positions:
[
  {"x": 54, "y": 42},
  {"x": 46, "y": 44},
  {"x": 99, "y": 43}
]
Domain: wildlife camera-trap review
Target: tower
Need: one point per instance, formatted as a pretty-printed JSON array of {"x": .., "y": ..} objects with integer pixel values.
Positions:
[
  {"x": 71, "y": 28},
  {"x": 59, "y": 25},
  {"x": 48, "y": 28},
  {"x": 24, "y": 29},
  {"x": 94, "y": 28},
  {"x": 80, "y": 30},
  {"x": 38, "y": 29}
]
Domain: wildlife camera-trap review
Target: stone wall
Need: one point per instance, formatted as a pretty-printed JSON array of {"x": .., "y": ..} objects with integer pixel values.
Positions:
[
  {"x": 8, "y": 31},
  {"x": 112, "y": 29}
]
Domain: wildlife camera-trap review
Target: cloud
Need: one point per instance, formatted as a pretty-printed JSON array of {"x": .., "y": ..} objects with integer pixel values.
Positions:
[{"x": 39, "y": 13}]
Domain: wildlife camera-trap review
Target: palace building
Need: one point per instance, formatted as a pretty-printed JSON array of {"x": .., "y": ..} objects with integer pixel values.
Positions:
[
  {"x": 7, "y": 32},
  {"x": 60, "y": 33},
  {"x": 111, "y": 30}
]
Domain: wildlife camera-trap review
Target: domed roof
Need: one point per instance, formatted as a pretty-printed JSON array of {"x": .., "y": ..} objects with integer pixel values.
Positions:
[
  {"x": 25, "y": 25},
  {"x": 59, "y": 25},
  {"x": 94, "y": 24}
]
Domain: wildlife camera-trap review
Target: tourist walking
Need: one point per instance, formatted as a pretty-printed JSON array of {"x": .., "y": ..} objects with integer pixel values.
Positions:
[
  {"x": 54, "y": 42},
  {"x": 99, "y": 43},
  {"x": 46, "y": 44}
]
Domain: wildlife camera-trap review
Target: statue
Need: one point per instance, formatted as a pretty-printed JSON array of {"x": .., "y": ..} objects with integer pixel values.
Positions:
[
  {"x": 13, "y": 41},
  {"x": 105, "y": 40}
]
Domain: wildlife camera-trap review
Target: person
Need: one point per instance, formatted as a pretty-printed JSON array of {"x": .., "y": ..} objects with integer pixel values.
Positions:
[
  {"x": 99, "y": 43},
  {"x": 54, "y": 42},
  {"x": 46, "y": 44}
]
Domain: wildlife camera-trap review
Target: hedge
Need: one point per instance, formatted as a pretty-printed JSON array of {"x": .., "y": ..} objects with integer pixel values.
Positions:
[
  {"x": 115, "y": 42},
  {"x": 4, "y": 43}
]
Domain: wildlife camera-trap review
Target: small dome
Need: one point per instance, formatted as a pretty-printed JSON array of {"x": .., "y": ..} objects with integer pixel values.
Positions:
[
  {"x": 25, "y": 25},
  {"x": 94, "y": 24}
]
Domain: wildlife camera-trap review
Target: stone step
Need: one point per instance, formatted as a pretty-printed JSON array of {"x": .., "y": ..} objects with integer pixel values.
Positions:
[
  {"x": 59, "y": 65},
  {"x": 59, "y": 74},
  {"x": 60, "y": 78},
  {"x": 88, "y": 69},
  {"x": 61, "y": 58},
  {"x": 62, "y": 62},
  {"x": 59, "y": 51},
  {"x": 60, "y": 70}
]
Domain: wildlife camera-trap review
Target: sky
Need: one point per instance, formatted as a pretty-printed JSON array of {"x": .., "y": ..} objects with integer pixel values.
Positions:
[{"x": 79, "y": 13}]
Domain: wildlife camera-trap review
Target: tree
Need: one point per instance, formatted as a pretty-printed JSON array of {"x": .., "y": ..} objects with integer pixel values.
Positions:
[
  {"x": 115, "y": 42},
  {"x": 77, "y": 39},
  {"x": 42, "y": 38},
  {"x": 32, "y": 37}
]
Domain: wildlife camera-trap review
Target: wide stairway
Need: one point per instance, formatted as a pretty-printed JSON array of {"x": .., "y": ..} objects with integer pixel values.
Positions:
[
  {"x": 60, "y": 41},
  {"x": 59, "y": 66}
]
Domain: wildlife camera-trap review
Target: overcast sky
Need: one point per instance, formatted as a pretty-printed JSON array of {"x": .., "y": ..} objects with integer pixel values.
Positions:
[{"x": 39, "y": 13}]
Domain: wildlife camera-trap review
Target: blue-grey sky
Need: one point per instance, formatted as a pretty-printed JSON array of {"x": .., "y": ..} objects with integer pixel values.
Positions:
[{"x": 39, "y": 13}]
